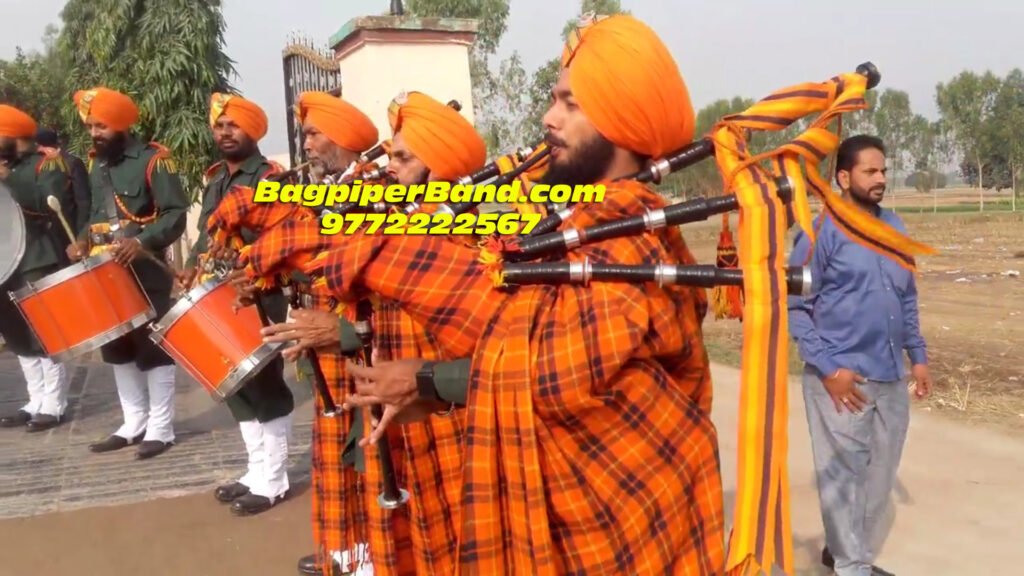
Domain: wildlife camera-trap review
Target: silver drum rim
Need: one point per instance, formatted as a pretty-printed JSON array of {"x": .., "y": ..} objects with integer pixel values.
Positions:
[
  {"x": 249, "y": 367},
  {"x": 183, "y": 305},
  {"x": 62, "y": 275}
]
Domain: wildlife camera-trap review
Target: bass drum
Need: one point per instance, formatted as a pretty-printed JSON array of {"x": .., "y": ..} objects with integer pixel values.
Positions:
[{"x": 12, "y": 234}]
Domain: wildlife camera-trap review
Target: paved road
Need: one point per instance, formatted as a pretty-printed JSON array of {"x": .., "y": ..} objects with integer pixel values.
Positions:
[
  {"x": 959, "y": 503},
  {"x": 959, "y": 508}
]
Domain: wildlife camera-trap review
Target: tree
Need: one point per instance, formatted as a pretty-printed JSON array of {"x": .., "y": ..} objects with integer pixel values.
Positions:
[
  {"x": 167, "y": 55},
  {"x": 547, "y": 74},
  {"x": 489, "y": 90},
  {"x": 1008, "y": 126},
  {"x": 34, "y": 82},
  {"x": 862, "y": 121},
  {"x": 893, "y": 122},
  {"x": 965, "y": 103}
]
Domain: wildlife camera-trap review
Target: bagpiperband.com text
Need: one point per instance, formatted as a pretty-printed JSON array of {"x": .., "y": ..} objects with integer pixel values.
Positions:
[{"x": 330, "y": 195}]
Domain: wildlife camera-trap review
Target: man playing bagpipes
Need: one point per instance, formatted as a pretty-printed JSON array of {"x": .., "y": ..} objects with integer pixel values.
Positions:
[
  {"x": 432, "y": 142},
  {"x": 589, "y": 445}
]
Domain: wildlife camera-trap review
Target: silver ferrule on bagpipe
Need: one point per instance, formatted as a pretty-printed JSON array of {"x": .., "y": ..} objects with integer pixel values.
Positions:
[
  {"x": 391, "y": 496},
  {"x": 493, "y": 169},
  {"x": 683, "y": 158},
  {"x": 686, "y": 212},
  {"x": 798, "y": 278}
]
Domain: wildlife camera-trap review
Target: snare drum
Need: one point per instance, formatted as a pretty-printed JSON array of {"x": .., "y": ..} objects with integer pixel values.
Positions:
[
  {"x": 222, "y": 349},
  {"x": 78, "y": 309}
]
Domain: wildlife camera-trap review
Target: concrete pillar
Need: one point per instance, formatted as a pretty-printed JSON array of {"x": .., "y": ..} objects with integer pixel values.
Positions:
[{"x": 381, "y": 56}]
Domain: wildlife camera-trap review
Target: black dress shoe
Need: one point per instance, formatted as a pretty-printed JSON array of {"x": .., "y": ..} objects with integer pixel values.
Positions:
[
  {"x": 151, "y": 448},
  {"x": 41, "y": 422},
  {"x": 827, "y": 560},
  {"x": 251, "y": 504},
  {"x": 830, "y": 563},
  {"x": 113, "y": 442},
  {"x": 308, "y": 567},
  {"x": 19, "y": 418},
  {"x": 230, "y": 492}
]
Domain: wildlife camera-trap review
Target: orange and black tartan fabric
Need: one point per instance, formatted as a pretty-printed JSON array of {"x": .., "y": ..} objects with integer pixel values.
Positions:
[
  {"x": 761, "y": 534},
  {"x": 237, "y": 210},
  {"x": 420, "y": 538},
  {"x": 590, "y": 448}
]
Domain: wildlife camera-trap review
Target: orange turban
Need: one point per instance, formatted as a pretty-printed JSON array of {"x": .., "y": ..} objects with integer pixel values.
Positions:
[
  {"x": 439, "y": 136},
  {"x": 629, "y": 86},
  {"x": 341, "y": 122},
  {"x": 249, "y": 117},
  {"x": 110, "y": 107},
  {"x": 16, "y": 124}
]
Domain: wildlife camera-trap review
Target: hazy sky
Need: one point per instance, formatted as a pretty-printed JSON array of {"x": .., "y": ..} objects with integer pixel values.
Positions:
[{"x": 724, "y": 48}]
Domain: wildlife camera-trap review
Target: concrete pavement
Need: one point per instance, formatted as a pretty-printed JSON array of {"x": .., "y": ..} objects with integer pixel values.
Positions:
[
  {"x": 959, "y": 501},
  {"x": 959, "y": 506}
]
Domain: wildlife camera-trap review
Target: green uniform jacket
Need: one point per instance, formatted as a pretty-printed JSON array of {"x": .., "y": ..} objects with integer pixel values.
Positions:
[
  {"x": 32, "y": 178},
  {"x": 146, "y": 183},
  {"x": 266, "y": 396}
]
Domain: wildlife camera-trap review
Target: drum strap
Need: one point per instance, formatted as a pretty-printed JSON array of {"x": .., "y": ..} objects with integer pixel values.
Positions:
[{"x": 111, "y": 207}]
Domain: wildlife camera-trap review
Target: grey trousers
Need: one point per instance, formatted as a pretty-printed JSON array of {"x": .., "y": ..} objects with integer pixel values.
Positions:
[{"x": 855, "y": 461}]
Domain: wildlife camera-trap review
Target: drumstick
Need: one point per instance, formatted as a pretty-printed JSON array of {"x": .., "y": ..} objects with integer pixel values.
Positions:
[{"x": 55, "y": 206}]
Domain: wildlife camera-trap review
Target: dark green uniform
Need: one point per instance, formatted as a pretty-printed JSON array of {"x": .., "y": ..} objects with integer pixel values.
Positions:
[
  {"x": 142, "y": 187},
  {"x": 266, "y": 396},
  {"x": 32, "y": 178}
]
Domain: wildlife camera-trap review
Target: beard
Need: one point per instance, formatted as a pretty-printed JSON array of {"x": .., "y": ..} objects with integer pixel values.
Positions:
[
  {"x": 240, "y": 152},
  {"x": 9, "y": 152},
  {"x": 583, "y": 166},
  {"x": 112, "y": 148},
  {"x": 868, "y": 196}
]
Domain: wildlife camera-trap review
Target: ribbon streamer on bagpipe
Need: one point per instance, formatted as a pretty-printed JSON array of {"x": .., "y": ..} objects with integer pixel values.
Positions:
[{"x": 761, "y": 535}]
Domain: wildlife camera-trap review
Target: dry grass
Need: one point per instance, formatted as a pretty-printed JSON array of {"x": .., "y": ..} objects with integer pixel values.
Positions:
[{"x": 971, "y": 307}]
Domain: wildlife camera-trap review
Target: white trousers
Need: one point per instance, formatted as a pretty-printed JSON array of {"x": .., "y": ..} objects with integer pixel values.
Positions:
[
  {"x": 356, "y": 561},
  {"x": 267, "y": 445},
  {"x": 147, "y": 401},
  {"x": 48, "y": 384}
]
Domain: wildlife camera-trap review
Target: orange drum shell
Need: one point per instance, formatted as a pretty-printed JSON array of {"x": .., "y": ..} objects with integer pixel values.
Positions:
[
  {"x": 209, "y": 339},
  {"x": 79, "y": 314}
]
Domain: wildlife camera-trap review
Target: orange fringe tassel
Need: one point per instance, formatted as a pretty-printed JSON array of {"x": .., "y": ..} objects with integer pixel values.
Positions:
[{"x": 727, "y": 301}]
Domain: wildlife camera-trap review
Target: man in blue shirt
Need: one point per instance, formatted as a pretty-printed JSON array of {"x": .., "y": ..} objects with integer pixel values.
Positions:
[{"x": 851, "y": 332}]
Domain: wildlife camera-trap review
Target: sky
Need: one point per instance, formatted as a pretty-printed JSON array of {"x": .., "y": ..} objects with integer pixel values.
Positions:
[{"x": 725, "y": 48}]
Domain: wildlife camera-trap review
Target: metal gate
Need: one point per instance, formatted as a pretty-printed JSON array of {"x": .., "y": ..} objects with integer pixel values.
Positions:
[{"x": 306, "y": 68}]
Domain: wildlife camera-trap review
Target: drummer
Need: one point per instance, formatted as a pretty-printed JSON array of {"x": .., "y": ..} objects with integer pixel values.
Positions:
[
  {"x": 134, "y": 185},
  {"x": 263, "y": 408},
  {"x": 33, "y": 175}
]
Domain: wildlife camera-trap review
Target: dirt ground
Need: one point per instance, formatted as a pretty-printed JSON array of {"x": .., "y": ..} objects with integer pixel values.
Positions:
[{"x": 972, "y": 307}]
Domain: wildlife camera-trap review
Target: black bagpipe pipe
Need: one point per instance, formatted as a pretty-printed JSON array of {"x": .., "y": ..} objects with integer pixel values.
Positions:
[
  {"x": 674, "y": 215},
  {"x": 687, "y": 156},
  {"x": 392, "y": 495},
  {"x": 330, "y": 409},
  {"x": 540, "y": 151},
  {"x": 798, "y": 278}
]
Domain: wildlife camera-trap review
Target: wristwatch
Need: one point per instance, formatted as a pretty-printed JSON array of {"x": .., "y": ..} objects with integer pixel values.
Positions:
[{"x": 425, "y": 382}]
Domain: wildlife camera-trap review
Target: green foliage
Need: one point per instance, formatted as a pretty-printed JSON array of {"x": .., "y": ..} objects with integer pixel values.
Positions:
[
  {"x": 166, "y": 55},
  {"x": 494, "y": 101},
  {"x": 33, "y": 82},
  {"x": 966, "y": 103},
  {"x": 926, "y": 180}
]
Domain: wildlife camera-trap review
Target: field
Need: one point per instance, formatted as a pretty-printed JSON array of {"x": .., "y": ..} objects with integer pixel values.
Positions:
[{"x": 971, "y": 298}]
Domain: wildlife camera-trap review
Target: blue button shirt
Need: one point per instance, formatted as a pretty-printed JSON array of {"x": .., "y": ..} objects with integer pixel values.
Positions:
[{"x": 862, "y": 311}]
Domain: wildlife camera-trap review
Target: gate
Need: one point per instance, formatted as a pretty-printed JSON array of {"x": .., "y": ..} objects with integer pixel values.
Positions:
[{"x": 306, "y": 68}]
